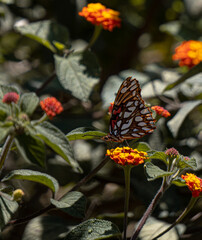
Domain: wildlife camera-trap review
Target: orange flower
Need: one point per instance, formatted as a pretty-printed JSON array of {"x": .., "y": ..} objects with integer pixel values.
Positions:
[
  {"x": 127, "y": 156},
  {"x": 161, "y": 111},
  {"x": 10, "y": 97},
  {"x": 51, "y": 106},
  {"x": 98, "y": 14},
  {"x": 189, "y": 53},
  {"x": 194, "y": 183}
]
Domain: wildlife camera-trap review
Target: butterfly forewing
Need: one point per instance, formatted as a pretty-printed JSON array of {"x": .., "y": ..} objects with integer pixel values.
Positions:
[{"x": 130, "y": 117}]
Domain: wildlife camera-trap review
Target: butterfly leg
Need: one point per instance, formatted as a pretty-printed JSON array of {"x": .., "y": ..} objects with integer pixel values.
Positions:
[{"x": 127, "y": 143}]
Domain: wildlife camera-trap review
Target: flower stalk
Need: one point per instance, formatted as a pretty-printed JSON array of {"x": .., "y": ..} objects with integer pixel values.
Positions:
[
  {"x": 127, "y": 170},
  {"x": 96, "y": 34},
  {"x": 180, "y": 218},
  {"x": 150, "y": 209}
]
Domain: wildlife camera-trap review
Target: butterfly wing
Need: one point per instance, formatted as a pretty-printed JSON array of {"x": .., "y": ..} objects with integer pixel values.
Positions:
[{"x": 130, "y": 118}]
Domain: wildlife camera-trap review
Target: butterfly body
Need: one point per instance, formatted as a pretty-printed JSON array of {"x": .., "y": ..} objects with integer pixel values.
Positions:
[{"x": 130, "y": 117}]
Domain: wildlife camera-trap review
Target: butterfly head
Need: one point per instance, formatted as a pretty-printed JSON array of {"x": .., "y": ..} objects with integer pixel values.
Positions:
[{"x": 111, "y": 138}]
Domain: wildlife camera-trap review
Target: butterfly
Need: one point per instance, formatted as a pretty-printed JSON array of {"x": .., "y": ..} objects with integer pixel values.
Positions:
[{"x": 130, "y": 117}]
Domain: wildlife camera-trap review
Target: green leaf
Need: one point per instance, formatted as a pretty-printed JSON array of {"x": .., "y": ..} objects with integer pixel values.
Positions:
[
  {"x": 46, "y": 228},
  {"x": 4, "y": 110},
  {"x": 7, "y": 208},
  {"x": 47, "y": 33},
  {"x": 93, "y": 229},
  {"x": 56, "y": 139},
  {"x": 141, "y": 146},
  {"x": 34, "y": 176},
  {"x": 5, "y": 130},
  {"x": 85, "y": 133},
  {"x": 73, "y": 203},
  {"x": 193, "y": 71},
  {"x": 78, "y": 73},
  {"x": 159, "y": 155},
  {"x": 175, "y": 123},
  {"x": 28, "y": 103},
  {"x": 179, "y": 182},
  {"x": 6, "y": 88},
  {"x": 31, "y": 148},
  {"x": 153, "y": 172},
  {"x": 191, "y": 163}
]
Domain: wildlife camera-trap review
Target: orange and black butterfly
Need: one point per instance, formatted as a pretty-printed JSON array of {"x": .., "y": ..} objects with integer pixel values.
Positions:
[{"x": 130, "y": 117}]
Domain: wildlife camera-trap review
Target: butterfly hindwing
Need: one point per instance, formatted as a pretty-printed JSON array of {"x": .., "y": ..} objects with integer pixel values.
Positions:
[{"x": 130, "y": 117}]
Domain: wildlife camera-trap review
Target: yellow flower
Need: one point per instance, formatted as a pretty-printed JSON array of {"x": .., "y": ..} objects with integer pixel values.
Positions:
[
  {"x": 98, "y": 14},
  {"x": 194, "y": 183},
  {"x": 189, "y": 53},
  {"x": 127, "y": 156}
]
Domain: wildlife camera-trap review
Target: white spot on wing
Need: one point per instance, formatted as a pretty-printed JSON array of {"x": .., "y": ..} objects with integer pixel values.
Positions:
[
  {"x": 144, "y": 111},
  {"x": 128, "y": 104},
  {"x": 123, "y": 90},
  {"x": 146, "y": 129},
  {"x": 124, "y": 132},
  {"x": 149, "y": 118},
  {"x": 135, "y": 130},
  {"x": 132, "y": 109},
  {"x": 127, "y": 114},
  {"x": 135, "y": 135},
  {"x": 138, "y": 119},
  {"x": 118, "y": 123},
  {"x": 120, "y": 114},
  {"x": 141, "y": 105},
  {"x": 136, "y": 103},
  {"x": 133, "y": 88},
  {"x": 115, "y": 132},
  {"x": 141, "y": 124},
  {"x": 127, "y": 125}
]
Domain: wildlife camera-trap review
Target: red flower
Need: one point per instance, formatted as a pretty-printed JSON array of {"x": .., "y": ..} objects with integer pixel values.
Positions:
[
  {"x": 161, "y": 111},
  {"x": 194, "y": 183},
  {"x": 110, "y": 108},
  {"x": 10, "y": 97},
  {"x": 51, "y": 106},
  {"x": 189, "y": 53},
  {"x": 98, "y": 14}
]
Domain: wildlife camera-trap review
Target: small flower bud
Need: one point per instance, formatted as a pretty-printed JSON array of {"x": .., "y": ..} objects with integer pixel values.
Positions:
[
  {"x": 10, "y": 97},
  {"x": 17, "y": 195}
]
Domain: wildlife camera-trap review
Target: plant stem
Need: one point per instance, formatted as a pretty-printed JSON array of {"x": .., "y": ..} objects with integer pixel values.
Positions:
[
  {"x": 149, "y": 210},
  {"x": 179, "y": 219},
  {"x": 6, "y": 148},
  {"x": 127, "y": 170},
  {"x": 51, "y": 206},
  {"x": 42, "y": 119},
  {"x": 96, "y": 34}
]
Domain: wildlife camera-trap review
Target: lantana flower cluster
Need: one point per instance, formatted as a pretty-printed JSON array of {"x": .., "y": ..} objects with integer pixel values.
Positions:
[
  {"x": 10, "y": 97},
  {"x": 127, "y": 156},
  {"x": 161, "y": 111},
  {"x": 189, "y": 53},
  {"x": 194, "y": 183},
  {"x": 98, "y": 14},
  {"x": 51, "y": 106}
]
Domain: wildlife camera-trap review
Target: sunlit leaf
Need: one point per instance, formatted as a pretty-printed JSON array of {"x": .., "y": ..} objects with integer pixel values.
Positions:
[
  {"x": 34, "y": 176},
  {"x": 159, "y": 155},
  {"x": 193, "y": 71},
  {"x": 191, "y": 163},
  {"x": 140, "y": 146},
  {"x": 179, "y": 182},
  {"x": 153, "y": 172},
  {"x": 175, "y": 123},
  {"x": 78, "y": 73},
  {"x": 46, "y": 32},
  {"x": 85, "y": 133},
  {"x": 93, "y": 229},
  {"x": 73, "y": 203}
]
